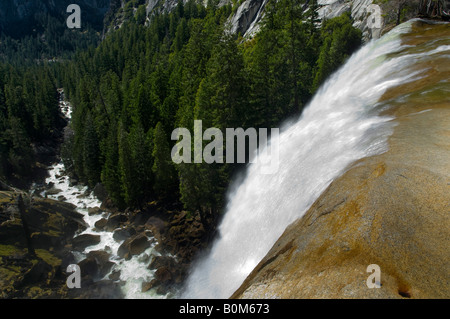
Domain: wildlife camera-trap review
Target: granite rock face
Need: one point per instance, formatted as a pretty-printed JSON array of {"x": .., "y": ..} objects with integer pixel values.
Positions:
[
  {"x": 391, "y": 209},
  {"x": 247, "y": 16},
  {"x": 367, "y": 15}
]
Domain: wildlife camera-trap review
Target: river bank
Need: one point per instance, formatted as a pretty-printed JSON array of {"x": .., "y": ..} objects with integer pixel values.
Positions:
[{"x": 142, "y": 253}]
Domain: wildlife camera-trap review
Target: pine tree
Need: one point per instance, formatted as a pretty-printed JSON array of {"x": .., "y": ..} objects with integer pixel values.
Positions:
[
  {"x": 313, "y": 16},
  {"x": 91, "y": 152},
  {"x": 163, "y": 169},
  {"x": 340, "y": 39},
  {"x": 110, "y": 176},
  {"x": 20, "y": 157},
  {"x": 142, "y": 162},
  {"x": 126, "y": 168},
  {"x": 221, "y": 99},
  {"x": 111, "y": 93},
  {"x": 141, "y": 82}
]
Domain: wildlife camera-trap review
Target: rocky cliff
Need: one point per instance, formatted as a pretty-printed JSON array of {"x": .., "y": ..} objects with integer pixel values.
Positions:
[
  {"x": 36, "y": 246},
  {"x": 367, "y": 15},
  {"x": 391, "y": 210},
  {"x": 248, "y": 14},
  {"x": 371, "y": 17}
]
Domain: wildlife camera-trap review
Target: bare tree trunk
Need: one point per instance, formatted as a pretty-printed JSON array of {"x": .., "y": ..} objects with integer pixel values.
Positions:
[
  {"x": 431, "y": 8},
  {"x": 4, "y": 186},
  {"x": 26, "y": 230},
  {"x": 401, "y": 3}
]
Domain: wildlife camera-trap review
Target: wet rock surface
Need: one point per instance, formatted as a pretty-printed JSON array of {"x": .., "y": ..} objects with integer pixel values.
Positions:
[
  {"x": 41, "y": 272},
  {"x": 35, "y": 267},
  {"x": 82, "y": 241},
  {"x": 391, "y": 210},
  {"x": 179, "y": 236}
]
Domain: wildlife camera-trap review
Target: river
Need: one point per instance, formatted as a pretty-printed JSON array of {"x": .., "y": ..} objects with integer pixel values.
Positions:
[{"x": 133, "y": 272}]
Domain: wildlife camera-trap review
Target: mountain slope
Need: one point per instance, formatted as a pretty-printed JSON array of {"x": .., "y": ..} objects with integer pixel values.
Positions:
[{"x": 19, "y": 17}]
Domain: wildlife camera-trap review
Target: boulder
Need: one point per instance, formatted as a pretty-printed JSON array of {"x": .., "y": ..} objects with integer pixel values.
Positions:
[
  {"x": 82, "y": 241},
  {"x": 115, "y": 220},
  {"x": 162, "y": 261},
  {"x": 146, "y": 286},
  {"x": 100, "y": 224},
  {"x": 123, "y": 233},
  {"x": 133, "y": 246},
  {"x": 169, "y": 264},
  {"x": 185, "y": 236},
  {"x": 100, "y": 192},
  {"x": 138, "y": 218},
  {"x": 138, "y": 244},
  {"x": 95, "y": 266},
  {"x": 115, "y": 275},
  {"x": 163, "y": 281},
  {"x": 157, "y": 226},
  {"x": 103, "y": 263},
  {"x": 53, "y": 191},
  {"x": 163, "y": 275},
  {"x": 89, "y": 267},
  {"x": 94, "y": 211}
]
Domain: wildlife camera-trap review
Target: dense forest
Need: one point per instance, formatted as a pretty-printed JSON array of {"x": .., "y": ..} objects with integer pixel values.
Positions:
[
  {"x": 28, "y": 114},
  {"x": 50, "y": 41},
  {"x": 143, "y": 81},
  {"x": 149, "y": 77},
  {"x": 101, "y": 191}
]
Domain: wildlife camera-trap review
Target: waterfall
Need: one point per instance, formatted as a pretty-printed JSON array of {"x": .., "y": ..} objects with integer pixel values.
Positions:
[{"x": 342, "y": 123}]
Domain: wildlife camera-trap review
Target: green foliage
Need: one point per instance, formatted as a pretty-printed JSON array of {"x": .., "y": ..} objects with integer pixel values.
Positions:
[
  {"x": 90, "y": 152},
  {"x": 110, "y": 176},
  {"x": 28, "y": 115},
  {"x": 339, "y": 40},
  {"x": 163, "y": 169},
  {"x": 141, "y": 14},
  {"x": 144, "y": 81},
  {"x": 127, "y": 173},
  {"x": 49, "y": 40}
]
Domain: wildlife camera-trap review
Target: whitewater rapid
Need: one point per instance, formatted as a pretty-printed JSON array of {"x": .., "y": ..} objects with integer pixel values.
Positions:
[
  {"x": 133, "y": 272},
  {"x": 342, "y": 123}
]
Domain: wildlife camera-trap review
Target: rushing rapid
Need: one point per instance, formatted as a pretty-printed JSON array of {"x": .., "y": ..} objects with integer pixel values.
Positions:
[
  {"x": 343, "y": 123},
  {"x": 133, "y": 272}
]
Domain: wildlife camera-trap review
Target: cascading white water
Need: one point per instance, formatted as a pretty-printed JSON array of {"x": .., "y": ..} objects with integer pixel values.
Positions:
[
  {"x": 133, "y": 272},
  {"x": 341, "y": 125}
]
